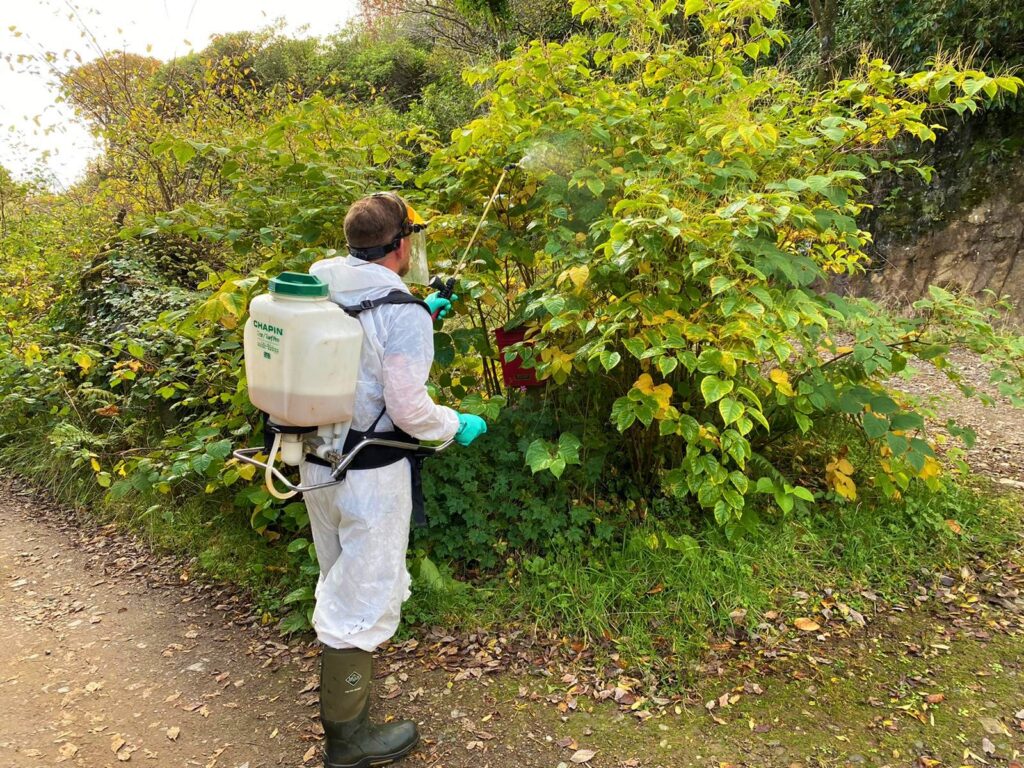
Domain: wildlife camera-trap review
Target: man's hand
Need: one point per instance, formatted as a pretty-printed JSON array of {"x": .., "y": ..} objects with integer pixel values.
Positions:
[
  {"x": 440, "y": 306},
  {"x": 470, "y": 428}
]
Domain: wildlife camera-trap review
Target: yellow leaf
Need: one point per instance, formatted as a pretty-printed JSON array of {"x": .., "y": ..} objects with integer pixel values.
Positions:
[
  {"x": 931, "y": 469},
  {"x": 661, "y": 393},
  {"x": 837, "y": 475},
  {"x": 246, "y": 471},
  {"x": 33, "y": 354},
  {"x": 84, "y": 361},
  {"x": 845, "y": 487},
  {"x": 577, "y": 275},
  {"x": 559, "y": 364},
  {"x": 95, "y": 465},
  {"x": 807, "y": 625},
  {"x": 954, "y": 526},
  {"x": 781, "y": 379}
]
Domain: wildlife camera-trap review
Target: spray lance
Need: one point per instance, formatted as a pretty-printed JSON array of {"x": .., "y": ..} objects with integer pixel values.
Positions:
[{"x": 446, "y": 288}]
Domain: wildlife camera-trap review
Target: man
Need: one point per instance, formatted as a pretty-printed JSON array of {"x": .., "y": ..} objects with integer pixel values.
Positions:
[{"x": 361, "y": 527}]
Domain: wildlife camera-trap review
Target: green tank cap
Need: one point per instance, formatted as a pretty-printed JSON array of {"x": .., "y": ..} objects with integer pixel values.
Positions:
[{"x": 298, "y": 284}]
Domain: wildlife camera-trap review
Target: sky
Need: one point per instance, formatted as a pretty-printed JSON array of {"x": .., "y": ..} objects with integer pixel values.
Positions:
[{"x": 36, "y": 132}]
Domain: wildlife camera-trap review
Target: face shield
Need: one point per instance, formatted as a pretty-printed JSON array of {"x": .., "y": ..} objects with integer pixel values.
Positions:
[{"x": 419, "y": 272}]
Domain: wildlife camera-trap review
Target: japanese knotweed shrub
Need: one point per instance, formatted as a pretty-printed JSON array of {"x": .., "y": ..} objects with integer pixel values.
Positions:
[{"x": 679, "y": 211}]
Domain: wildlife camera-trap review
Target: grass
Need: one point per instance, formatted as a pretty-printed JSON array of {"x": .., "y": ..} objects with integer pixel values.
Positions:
[
  {"x": 658, "y": 607},
  {"x": 647, "y": 597}
]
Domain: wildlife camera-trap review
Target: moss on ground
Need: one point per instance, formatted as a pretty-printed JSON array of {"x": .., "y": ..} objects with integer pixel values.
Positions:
[{"x": 902, "y": 694}]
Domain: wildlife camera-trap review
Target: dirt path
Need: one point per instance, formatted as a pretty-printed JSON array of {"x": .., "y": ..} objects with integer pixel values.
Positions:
[
  {"x": 999, "y": 450},
  {"x": 108, "y": 655},
  {"x": 98, "y": 670}
]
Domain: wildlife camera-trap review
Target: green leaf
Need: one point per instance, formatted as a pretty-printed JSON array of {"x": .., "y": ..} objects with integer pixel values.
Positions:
[
  {"x": 201, "y": 463},
  {"x": 667, "y": 364},
  {"x": 730, "y": 409},
  {"x": 220, "y": 449},
  {"x": 610, "y": 359},
  {"x": 538, "y": 455},
  {"x": 300, "y": 595},
  {"x": 430, "y": 575},
  {"x": 802, "y": 493},
  {"x": 635, "y": 347},
  {"x": 569, "y": 448},
  {"x": 714, "y": 388},
  {"x": 183, "y": 151},
  {"x": 875, "y": 427},
  {"x": 906, "y": 421},
  {"x": 623, "y": 413},
  {"x": 720, "y": 284}
]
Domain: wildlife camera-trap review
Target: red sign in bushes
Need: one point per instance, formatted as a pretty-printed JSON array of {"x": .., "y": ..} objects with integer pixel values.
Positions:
[{"x": 513, "y": 371}]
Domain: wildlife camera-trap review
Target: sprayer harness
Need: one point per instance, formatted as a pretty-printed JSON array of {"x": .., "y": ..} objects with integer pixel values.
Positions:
[{"x": 376, "y": 456}]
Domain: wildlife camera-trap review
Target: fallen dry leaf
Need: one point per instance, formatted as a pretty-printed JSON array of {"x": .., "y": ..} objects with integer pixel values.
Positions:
[
  {"x": 172, "y": 732},
  {"x": 993, "y": 727},
  {"x": 67, "y": 750},
  {"x": 582, "y": 756},
  {"x": 310, "y": 754},
  {"x": 116, "y": 742},
  {"x": 807, "y": 625}
]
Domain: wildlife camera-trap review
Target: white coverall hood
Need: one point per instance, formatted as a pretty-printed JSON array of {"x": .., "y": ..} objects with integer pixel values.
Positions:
[{"x": 361, "y": 527}]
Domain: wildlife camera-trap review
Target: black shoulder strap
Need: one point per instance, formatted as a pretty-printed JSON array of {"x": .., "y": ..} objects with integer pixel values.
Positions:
[{"x": 395, "y": 297}]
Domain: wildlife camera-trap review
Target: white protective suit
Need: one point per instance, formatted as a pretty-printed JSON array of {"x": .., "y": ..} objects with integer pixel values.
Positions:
[{"x": 361, "y": 527}]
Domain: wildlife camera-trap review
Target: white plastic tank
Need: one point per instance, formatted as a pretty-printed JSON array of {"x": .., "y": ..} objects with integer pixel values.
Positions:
[{"x": 301, "y": 353}]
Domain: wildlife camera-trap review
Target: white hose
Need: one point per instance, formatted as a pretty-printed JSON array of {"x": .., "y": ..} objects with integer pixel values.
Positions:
[{"x": 268, "y": 474}]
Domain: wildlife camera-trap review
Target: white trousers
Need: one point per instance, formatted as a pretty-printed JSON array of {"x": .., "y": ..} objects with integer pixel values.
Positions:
[{"x": 361, "y": 533}]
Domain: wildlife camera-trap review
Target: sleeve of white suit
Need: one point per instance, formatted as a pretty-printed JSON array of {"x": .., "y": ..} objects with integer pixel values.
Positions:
[{"x": 408, "y": 356}]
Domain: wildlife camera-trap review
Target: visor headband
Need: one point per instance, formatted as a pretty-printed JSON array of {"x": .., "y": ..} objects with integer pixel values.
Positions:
[{"x": 376, "y": 252}]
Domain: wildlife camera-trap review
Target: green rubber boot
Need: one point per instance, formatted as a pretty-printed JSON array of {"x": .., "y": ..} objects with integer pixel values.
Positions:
[{"x": 352, "y": 741}]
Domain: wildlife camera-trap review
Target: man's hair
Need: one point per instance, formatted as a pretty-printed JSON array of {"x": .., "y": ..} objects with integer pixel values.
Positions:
[{"x": 372, "y": 221}]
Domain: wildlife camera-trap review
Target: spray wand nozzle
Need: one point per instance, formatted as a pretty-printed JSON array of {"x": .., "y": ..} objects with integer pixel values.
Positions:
[{"x": 445, "y": 288}]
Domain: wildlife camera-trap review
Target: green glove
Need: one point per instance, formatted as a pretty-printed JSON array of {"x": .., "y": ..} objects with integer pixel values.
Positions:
[
  {"x": 440, "y": 305},
  {"x": 470, "y": 428}
]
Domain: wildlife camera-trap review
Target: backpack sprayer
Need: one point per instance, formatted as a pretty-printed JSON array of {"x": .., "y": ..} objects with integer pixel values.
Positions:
[
  {"x": 301, "y": 363},
  {"x": 302, "y": 355}
]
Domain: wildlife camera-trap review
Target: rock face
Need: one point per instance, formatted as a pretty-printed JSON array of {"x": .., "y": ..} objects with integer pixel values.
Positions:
[{"x": 982, "y": 250}]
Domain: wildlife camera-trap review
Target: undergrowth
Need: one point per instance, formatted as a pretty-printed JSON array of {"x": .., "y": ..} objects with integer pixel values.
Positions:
[{"x": 655, "y": 593}]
